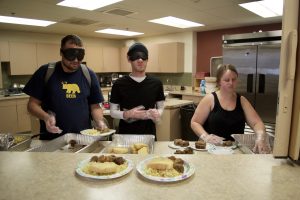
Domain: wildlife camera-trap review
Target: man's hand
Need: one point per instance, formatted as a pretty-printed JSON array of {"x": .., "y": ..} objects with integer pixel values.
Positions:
[
  {"x": 136, "y": 113},
  {"x": 100, "y": 125},
  {"x": 50, "y": 124},
  {"x": 153, "y": 114}
]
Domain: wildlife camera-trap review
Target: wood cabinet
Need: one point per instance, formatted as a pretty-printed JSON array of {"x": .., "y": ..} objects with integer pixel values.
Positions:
[
  {"x": 23, "y": 58},
  {"x": 24, "y": 122},
  {"x": 8, "y": 116},
  {"x": 153, "y": 65},
  {"x": 47, "y": 53},
  {"x": 94, "y": 57},
  {"x": 14, "y": 117},
  {"x": 171, "y": 57},
  {"x": 125, "y": 66},
  {"x": 4, "y": 51},
  {"x": 169, "y": 127},
  {"x": 111, "y": 59}
]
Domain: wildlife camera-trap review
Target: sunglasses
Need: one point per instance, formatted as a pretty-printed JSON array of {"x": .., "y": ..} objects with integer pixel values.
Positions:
[
  {"x": 138, "y": 55},
  {"x": 73, "y": 53}
]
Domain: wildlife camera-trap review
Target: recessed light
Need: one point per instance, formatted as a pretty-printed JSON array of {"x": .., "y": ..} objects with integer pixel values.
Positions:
[
  {"x": 87, "y": 4},
  {"x": 25, "y": 21},
  {"x": 265, "y": 8},
  {"x": 118, "y": 32},
  {"x": 176, "y": 22}
]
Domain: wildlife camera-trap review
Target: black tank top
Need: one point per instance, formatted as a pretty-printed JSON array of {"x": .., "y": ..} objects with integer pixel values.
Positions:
[{"x": 224, "y": 123}]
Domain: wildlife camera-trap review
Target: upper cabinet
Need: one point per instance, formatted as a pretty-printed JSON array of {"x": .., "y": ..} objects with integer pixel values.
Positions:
[
  {"x": 171, "y": 57},
  {"x": 47, "y": 53},
  {"x": 23, "y": 58},
  {"x": 4, "y": 51},
  {"x": 124, "y": 64},
  {"x": 153, "y": 65},
  {"x": 162, "y": 58},
  {"x": 111, "y": 59},
  {"x": 94, "y": 57}
]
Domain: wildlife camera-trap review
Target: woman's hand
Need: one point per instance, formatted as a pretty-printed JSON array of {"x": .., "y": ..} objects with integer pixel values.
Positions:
[
  {"x": 262, "y": 145},
  {"x": 212, "y": 139}
]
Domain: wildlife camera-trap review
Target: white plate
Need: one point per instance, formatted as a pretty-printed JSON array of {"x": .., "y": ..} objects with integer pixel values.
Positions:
[
  {"x": 112, "y": 176},
  {"x": 208, "y": 146},
  {"x": 220, "y": 150},
  {"x": 189, "y": 170},
  {"x": 98, "y": 135},
  {"x": 173, "y": 146}
]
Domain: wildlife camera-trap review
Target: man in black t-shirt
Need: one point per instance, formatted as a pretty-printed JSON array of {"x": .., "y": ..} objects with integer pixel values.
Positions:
[
  {"x": 137, "y": 99},
  {"x": 67, "y": 101}
]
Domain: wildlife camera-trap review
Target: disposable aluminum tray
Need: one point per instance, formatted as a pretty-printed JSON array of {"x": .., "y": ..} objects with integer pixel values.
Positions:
[
  {"x": 23, "y": 145},
  {"x": 246, "y": 142},
  {"x": 127, "y": 140},
  {"x": 84, "y": 144}
]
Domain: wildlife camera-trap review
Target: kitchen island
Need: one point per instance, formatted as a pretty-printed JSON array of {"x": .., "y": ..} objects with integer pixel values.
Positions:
[{"x": 52, "y": 175}]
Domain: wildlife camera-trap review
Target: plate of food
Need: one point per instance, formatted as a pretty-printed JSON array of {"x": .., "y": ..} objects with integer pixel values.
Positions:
[
  {"x": 201, "y": 145},
  {"x": 179, "y": 143},
  {"x": 104, "y": 167},
  {"x": 97, "y": 133},
  {"x": 165, "y": 169}
]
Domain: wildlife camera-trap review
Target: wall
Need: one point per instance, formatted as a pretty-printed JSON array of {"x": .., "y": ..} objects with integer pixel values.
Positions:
[{"x": 209, "y": 43}]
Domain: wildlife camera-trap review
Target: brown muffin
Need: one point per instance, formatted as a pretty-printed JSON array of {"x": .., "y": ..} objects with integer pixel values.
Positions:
[
  {"x": 200, "y": 144},
  {"x": 227, "y": 143}
]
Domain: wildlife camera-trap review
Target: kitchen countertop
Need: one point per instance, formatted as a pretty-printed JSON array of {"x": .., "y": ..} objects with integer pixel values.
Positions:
[
  {"x": 22, "y": 96},
  {"x": 238, "y": 176},
  {"x": 175, "y": 103},
  {"x": 187, "y": 92}
]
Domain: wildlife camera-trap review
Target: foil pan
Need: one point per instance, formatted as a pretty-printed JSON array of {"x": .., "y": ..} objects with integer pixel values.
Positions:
[
  {"x": 246, "y": 142},
  {"x": 83, "y": 144},
  {"x": 15, "y": 142},
  {"x": 126, "y": 140}
]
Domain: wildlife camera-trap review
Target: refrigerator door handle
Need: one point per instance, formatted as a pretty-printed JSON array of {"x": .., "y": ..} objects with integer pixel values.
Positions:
[
  {"x": 261, "y": 83},
  {"x": 291, "y": 54},
  {"x": 249, "y": 83}
]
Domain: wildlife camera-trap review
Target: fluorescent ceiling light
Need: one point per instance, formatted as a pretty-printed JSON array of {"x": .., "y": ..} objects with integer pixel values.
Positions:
[
  {"x": 87, "y": 4},
  {"x": 265, "y": 8},
  {"x": 25, "y": 21},
  {"x": 175, "y": 22},
  {"x": 118, "y": 32}
]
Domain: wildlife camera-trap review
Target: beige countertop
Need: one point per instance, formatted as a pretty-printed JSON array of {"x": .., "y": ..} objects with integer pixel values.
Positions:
[
  {"x": 175, "y": 103},
  {"x": 14, "y": 97},
  {"x": 33, "y": 176},
  {"x": 187, "y": 92}
]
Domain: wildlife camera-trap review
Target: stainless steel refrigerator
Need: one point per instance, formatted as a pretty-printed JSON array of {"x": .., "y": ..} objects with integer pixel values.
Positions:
[{"x": 256, "y": 57}]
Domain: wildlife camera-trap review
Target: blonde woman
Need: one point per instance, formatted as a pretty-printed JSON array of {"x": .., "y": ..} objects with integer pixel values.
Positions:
[{"x": 225, "y": 112}]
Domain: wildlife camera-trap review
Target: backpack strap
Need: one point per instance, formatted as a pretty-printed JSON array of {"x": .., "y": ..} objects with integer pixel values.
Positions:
[
  {"x": 50, "y": 70},
  {"x": 86, "y": 73},
  {"x": 51, "y": 67}
]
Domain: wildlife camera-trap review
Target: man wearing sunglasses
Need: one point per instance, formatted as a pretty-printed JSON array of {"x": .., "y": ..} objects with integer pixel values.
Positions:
[
  {"x": 67, "y": 101},
  {"x": 137, "y": 99}
]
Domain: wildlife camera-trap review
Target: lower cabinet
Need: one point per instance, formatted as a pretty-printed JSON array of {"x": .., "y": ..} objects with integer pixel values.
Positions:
[
  {"x": 169, "y": 128},
  {"x": 14, "y": 116}
]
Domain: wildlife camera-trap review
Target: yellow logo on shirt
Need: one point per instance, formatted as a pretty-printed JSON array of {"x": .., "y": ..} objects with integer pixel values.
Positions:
[{"x": 71, "y": 89}]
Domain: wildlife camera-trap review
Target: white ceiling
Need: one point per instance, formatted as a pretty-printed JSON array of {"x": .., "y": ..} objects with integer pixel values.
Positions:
[{"x": 215, "y": 14}]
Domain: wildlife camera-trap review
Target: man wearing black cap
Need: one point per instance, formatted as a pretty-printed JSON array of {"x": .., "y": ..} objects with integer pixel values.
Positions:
[{"x": 137, "y": 99}]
